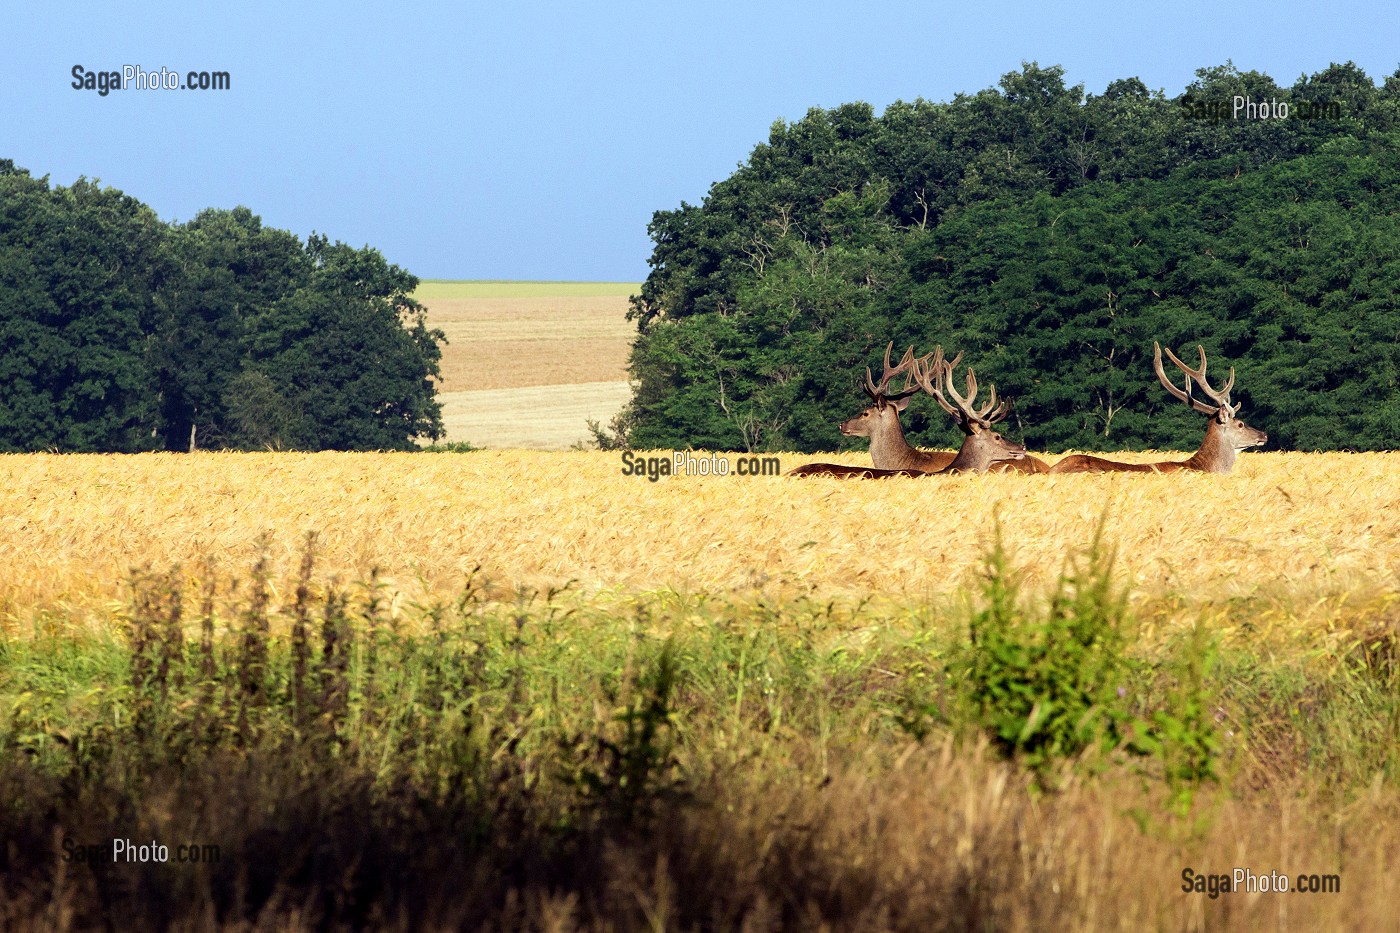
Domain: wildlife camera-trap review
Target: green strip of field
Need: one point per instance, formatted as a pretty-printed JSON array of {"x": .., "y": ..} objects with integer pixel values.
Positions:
[{"x": 431, "y": 289}]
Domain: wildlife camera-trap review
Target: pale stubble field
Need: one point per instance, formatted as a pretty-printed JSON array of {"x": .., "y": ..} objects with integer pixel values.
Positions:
[{"x": 528, "y": 364}]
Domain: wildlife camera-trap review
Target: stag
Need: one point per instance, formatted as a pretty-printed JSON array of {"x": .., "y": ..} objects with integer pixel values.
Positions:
[
  {"x": 976, "y": 425},
  {"x": 982, "y": 448},
  {"x": 1225, "y": 437},
  {"x": 880, "y": 422}
]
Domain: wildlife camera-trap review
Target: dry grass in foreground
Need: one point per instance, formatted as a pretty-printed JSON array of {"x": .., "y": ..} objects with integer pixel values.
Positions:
[
  {"x": 1312, "y": 531},
  {"x": 539, "y": 766}
]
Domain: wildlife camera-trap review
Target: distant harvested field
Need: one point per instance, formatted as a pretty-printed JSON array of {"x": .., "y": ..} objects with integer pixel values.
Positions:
[
  {"x": 551, "y": 417},
  {"x": 567, "y": 341},
  {"x": 507, "y": 343},
  {"x": 1312, "y": 531}
]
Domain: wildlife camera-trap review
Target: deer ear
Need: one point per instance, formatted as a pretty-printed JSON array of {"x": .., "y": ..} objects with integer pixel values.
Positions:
[
  {"x": 900, "y": 404},
  {"x": 1222, "y": 415}
]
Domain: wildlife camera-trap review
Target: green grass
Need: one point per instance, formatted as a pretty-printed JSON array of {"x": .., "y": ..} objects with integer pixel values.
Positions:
[
  {"x": 431, "y": 289},
  {"x": 664, "y": 761}
]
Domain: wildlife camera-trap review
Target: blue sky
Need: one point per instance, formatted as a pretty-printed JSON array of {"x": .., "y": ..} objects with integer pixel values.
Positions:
[{"x": 533, "y": 140}]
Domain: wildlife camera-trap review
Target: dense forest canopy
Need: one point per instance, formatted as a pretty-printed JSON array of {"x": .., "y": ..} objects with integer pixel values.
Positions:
[
  {"x": 119, "y": 332},
  {"x": 1054, "y": 235}
]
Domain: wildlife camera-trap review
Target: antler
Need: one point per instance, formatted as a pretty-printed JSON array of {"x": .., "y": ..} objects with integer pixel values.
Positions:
[
  {"x": 933, "y": 374},
  {"x": 908, "y": 365},
  {"x": 1220, "y": 397},
  {"x": 929, "y": 375}
]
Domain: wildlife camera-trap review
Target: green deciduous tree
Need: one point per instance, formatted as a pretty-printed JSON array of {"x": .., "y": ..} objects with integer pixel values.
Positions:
[
  {"x": 353, "y": 350},
  {"x": 78, "y": 267},
  {"x": 231, "y": 268},
  {"x": 121, "y": 333}
]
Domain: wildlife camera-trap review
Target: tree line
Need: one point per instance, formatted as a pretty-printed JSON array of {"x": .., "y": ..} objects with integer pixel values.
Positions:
[
  {"x": 1053, "y": 235},
  {"x": 120, "y": 332}
]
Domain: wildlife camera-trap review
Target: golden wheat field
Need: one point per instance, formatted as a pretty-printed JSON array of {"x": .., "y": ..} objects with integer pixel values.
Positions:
[{"x": 1317, "y": 532}]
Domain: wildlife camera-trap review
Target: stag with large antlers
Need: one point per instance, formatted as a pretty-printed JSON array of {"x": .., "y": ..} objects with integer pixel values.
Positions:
[
  {"x": 889, "y": 450},
  {"x": 1225, "y": 437},
  {"x": 976, "y": 424},
  {"x": 880, "y": 422},
  {"x": 982, "y": 447}
]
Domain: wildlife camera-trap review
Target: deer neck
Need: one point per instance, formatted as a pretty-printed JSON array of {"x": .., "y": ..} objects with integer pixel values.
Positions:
[
  {"x": 1216, "y": 454},
  {"x": 967, "y": 461},
  {"x": 974, "y": 456},
  {"x": 888, "y": 448}
]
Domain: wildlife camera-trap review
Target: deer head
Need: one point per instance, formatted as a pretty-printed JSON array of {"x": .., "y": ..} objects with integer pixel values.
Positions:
[
  {"x": 883, "y": 414},
  {"x": 1226, "y": 435}
]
